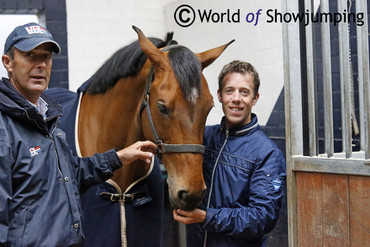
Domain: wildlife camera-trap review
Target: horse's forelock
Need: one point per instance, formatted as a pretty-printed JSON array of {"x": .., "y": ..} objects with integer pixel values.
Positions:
[{"x": 187, "y": 69}]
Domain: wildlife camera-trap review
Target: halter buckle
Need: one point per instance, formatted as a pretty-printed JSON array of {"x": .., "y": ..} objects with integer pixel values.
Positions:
[{"x": 114, "y": 197}]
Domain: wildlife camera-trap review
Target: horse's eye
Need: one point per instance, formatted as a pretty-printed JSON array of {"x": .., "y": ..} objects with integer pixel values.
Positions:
[{"x": 162, "y": 108}]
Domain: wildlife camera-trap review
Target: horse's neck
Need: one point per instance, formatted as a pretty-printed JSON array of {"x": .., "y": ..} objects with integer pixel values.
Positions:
[
  {"x": 111, "y": 120},
  {"x": 106, "y": 119}
]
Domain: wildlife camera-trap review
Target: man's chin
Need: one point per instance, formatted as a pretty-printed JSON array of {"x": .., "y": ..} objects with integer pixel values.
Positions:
[
  {"x": 39, "y": 86},
  {"x": 236, "y": 121},
  {"x": 37, "y": 90}
]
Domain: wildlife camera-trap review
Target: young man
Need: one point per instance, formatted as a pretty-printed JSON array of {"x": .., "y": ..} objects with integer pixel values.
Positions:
[
  {"x": 40, "y": 179},
  {"x": 243, "y": 169}
]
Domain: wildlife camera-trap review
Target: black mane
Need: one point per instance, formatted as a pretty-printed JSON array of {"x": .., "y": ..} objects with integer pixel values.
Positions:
[{"x": 129, "y": 60}]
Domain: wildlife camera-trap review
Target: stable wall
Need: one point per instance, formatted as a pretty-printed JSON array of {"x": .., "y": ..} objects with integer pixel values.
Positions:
[{"x": 96, "y": 29}]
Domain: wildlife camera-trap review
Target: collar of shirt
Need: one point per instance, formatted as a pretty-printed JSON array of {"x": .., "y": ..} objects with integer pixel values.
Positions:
[{"x": 41, "y": 107}]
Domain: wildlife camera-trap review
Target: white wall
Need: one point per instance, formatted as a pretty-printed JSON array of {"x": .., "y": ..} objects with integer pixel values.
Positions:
[
  {"x": 7, "y": 25},
  {"x": 98, "y": 28}
]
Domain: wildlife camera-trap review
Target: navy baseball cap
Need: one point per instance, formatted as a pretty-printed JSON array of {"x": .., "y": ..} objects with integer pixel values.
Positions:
[{"x": 28, "y": 37}]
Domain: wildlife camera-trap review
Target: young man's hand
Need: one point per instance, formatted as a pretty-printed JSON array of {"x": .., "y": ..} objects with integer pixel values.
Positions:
[{"x": 189, "y": 217}]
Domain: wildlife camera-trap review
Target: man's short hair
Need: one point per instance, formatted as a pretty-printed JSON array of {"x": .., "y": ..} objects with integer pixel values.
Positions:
[
  {"x": 10, "y": 53},
  {"x": 243, "y": 68}
]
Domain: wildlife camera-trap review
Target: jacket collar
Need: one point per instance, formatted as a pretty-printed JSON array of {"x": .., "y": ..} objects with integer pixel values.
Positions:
[
  {"x": 244, "y": 130},
  {"x": 14, "y": 104}
]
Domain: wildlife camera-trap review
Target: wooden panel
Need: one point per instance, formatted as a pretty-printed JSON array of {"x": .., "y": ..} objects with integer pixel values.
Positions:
[
  {"x": 333, "y": 165},
  {"x": 335, "y": 210},
  {"x": 309, "y": 209},
  {"x": 359, "y": 211}
]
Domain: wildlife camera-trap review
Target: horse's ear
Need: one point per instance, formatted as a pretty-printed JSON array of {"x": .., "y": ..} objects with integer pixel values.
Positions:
[
  {"x": 153, "y": 53},
  {"x": 207, "y": 57}
]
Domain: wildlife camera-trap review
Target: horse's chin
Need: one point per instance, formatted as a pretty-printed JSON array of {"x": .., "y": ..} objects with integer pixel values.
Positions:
[
  {"x": 181, "y": 198},
  {"x": 178, "y": 204}
]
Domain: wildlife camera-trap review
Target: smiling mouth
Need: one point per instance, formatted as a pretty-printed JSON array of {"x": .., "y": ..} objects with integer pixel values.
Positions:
[{"x": 235, "y": 109}]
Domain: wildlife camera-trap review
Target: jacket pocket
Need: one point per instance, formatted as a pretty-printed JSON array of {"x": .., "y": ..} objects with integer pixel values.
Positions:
[{"x": 233, "y": 178}]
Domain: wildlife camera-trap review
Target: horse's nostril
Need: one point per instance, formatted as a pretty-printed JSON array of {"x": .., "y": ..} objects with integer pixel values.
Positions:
[
  {"x": 182, "y": 195},
  {"x": 188, "y": 200}
]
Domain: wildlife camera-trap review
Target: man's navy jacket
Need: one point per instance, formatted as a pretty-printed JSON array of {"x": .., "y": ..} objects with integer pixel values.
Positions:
[
  {"x": 40, "y": 179},
  {"x": 244, "y": 172}
]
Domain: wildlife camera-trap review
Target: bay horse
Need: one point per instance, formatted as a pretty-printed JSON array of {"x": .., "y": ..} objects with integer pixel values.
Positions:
[{"x": 142, "y": 92}]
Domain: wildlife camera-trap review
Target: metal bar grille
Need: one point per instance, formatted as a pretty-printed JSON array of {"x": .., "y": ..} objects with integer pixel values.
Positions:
[
  {"x": 327, "y": 81},
  {"x": 363, "y": 77},
  {"x": 345, "y": 81},
  {"x": 293, "y": 64},
  {"x": 347, "y": 108},
  {"x": 311, "y": 83}
]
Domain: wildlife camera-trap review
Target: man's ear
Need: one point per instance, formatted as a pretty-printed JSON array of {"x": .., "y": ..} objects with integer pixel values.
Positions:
[
  {"x": 256, "y": 98},
  {"x": 219, "y": 95},
  {"x": 7, "y": 62}
]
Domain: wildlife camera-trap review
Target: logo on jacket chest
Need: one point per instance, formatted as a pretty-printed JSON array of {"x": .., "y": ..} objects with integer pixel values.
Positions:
[{"x": 35, "y": 151}]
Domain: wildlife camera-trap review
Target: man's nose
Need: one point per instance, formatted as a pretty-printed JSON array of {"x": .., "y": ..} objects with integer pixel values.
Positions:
[
  {"x": 236, "y": 96},
  {"x": 41, "y": 63}
]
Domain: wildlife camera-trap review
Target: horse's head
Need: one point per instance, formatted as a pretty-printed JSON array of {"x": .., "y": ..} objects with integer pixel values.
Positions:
[{"x": 178, "y": 102}]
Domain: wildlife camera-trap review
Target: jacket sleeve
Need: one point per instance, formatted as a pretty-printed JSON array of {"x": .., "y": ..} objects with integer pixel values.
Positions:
[
  {"x": 6, "y": 162},
  {"x": 260, "y": 214},
  {"x": 96, "y": 169},
  {"x": 89, "y": 171}
]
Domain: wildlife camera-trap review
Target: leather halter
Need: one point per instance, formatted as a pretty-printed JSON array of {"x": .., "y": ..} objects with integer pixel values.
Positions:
[{"x": 164, "y": 147}]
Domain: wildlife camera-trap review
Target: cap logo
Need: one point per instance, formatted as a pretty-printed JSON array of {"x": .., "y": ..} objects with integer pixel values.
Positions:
[{"x": 35, "y": 29}]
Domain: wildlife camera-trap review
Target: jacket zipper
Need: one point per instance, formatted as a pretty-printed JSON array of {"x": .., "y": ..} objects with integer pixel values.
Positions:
[
  {"x": 213, "y": 174},
  {"x": 55, "y": 147}
]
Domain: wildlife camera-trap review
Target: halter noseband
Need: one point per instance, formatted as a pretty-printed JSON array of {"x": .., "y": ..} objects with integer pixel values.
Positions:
[{"x": 164, "y": 147}]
